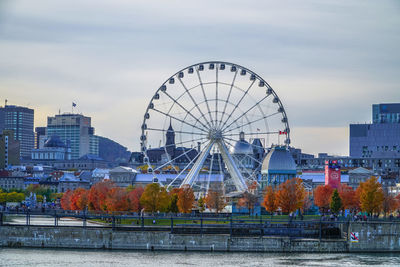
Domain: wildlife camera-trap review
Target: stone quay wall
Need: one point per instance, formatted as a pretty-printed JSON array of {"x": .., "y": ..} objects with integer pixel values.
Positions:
[
  {"x": 375, "y": 237},
  {"x": 367, "y": 237},
  {"x": 102, "y": 238}
]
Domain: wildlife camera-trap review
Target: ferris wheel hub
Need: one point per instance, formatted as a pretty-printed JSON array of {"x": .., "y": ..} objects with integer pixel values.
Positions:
[{"x": 215, "y": 134}]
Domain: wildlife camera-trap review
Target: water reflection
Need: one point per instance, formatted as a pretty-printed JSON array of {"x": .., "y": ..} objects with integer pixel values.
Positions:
[{"x": 58, "y": 257}]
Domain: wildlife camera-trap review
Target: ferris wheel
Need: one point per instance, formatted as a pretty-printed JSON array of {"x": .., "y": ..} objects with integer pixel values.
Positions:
[{"x": 212, "y": 120}]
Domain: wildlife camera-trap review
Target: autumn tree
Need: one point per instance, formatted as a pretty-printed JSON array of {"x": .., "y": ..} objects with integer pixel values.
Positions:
[
  {"x": 79, "y": 199},
  {"x": 336, "y": 202},
  {"x": 322, "y": 197},
  {"x": 134, "y": 199},
  {"x": 389, "y": 204},
  {"x": 348, "y": 197},
  {"x": 66, "y": 200},
  {"x": 269, "y": 200},
  {"x": 290, "y": 195},
  {"x": 371, "y": 196},
  {"x": 185, "y": 199},
  {"x": 201, "y": 204},
  {"x": 117, "y": 200},
  {"x": 97, "y": 195},
  {"x": 215, "y": 198},
  {"x": 248, "y": 200},
  {"x": 154, "y": 198}
]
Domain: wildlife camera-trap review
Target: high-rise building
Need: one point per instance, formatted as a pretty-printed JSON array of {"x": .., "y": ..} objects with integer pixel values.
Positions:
[
  {"x": 40, "y": 137},
  {"x": 20, "y": 120},
  {"x": 386, "y": 113},
  {"x": 9, "y": 149},
  {"x": 75, "y": 131},
  {"x": 381, "y": 139}
]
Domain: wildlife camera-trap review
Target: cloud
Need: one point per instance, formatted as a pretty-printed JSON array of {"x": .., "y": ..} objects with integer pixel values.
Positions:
[{"x": 328, "y": 61}]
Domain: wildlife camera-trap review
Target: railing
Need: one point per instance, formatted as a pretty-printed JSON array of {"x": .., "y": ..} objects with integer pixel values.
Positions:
[{"x": 182, "y": 224}]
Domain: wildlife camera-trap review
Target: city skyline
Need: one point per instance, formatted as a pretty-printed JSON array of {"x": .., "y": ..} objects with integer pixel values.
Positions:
[{"x": 328, "y": 63}]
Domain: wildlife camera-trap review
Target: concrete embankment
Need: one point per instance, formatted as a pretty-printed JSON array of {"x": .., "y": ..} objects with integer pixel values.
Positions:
[{"x": 377, "y": 237}]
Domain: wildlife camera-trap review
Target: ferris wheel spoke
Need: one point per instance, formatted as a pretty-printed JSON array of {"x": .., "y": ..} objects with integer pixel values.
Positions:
[
  {"x": 204, "y": 95},
  {"x": 232, "y": 134},
  {"x": 240, "y": 163},
  {"x": 244, "y": 114},
  {"x": 172, "y": 160},
  {"x": 251, "y": 122},
  {"x": 188, "y": 141},
  {"x": 229, "y": 94},
  {"x": 182, "y": 132},
  {"x": 175, "y": 118},
  {"x": 194, "y": 101},
  {"x": 238, "y": 103},
  {"x": 233, "y": 140},
  {"x": 182, "y": 107},
  {"x": 216, "y": 96},
  {"x": 184, "y": 169}
]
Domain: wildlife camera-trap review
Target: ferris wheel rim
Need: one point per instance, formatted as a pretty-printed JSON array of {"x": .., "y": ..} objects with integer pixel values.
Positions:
[
  {"x": 266, "y": 84},
  {"x": 258, "y": 78}
]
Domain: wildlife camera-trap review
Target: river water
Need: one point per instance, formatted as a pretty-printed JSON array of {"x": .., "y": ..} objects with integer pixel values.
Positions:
[{"x": 61, "y": 257}]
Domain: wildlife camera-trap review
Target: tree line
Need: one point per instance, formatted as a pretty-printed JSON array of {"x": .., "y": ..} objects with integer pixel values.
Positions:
[
  {"x": 369, "y": 197},
  {"x": 288, "y": 197},
  {"x": 105, "y": 196}
]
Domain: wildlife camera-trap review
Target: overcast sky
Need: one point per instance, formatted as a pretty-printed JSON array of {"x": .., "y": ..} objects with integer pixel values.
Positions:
[{"x": 328, "y": 61}]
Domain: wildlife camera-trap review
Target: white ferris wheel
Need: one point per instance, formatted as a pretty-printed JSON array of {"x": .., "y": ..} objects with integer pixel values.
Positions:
[{"x": 209, "y": 120}]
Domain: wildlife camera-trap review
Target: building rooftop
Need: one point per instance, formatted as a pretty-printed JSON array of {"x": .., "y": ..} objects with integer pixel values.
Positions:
[{"x": 278, "y": 159}]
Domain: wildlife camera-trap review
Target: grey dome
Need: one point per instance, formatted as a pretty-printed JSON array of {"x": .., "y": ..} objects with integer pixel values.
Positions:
[
  {"x": 54, "y": 141},
  {"x": 279, "y": 159},
  {"x": 242, "y": 146}
]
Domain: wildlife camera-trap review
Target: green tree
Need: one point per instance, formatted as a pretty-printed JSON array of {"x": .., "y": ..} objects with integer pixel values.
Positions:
[
  {"x": 173, "y": 204},
  {"x": 3, "y": 197},
  {"x": 154, "y": 198},
  {"x": 201, "y": 204},
  {"x": 336, "y": 202},
  {"x": 39, "y": 198}
]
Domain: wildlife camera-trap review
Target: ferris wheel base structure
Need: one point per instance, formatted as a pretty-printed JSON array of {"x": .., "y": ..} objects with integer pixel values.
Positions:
[
  {"x": 199, "y": 119},
  {"x": 236, "y": 175}
]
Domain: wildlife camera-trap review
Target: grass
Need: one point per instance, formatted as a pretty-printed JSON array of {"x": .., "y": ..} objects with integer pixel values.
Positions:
[{"x": 165, "y": 221}]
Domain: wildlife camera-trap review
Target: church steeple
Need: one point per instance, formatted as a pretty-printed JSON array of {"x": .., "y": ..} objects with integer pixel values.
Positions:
[{"x": 170, "y": 144}]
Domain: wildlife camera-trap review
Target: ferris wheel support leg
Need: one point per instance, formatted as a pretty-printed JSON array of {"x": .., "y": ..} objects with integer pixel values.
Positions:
[
  {"x": 194, "y": 172},
  {"x": 232, "y": 168}
]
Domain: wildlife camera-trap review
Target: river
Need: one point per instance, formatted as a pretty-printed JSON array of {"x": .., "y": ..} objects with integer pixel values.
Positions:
[{"x": 61, "y": 257}]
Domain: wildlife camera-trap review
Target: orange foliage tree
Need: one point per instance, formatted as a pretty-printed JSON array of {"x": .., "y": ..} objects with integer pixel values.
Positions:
[
  {"x": 269, "y": 200},
  {"x": 134, "y": 199},
  {"x": 79, "y": 199},
  {"x": 215, "y": 199},
  {"x": 97, "y": 195},
  {"x": 154, "y": 198},
  {"x": 290, "y": 195},
  {"x": 322, "y": 197},
  {"x": 348, "y": 196},
  {"x": 185, "y": 199},
  {"x": 117, "y": 200},
  {"x": 371, "y": 196},
  {"x": 66, "y": 200}
]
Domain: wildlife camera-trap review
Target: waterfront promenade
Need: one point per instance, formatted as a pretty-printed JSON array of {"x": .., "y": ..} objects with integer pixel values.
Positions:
[{"x": 178, "y": 233}]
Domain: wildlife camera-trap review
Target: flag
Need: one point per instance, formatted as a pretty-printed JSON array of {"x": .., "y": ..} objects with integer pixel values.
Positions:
[{"x": 73, "y": 104}]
